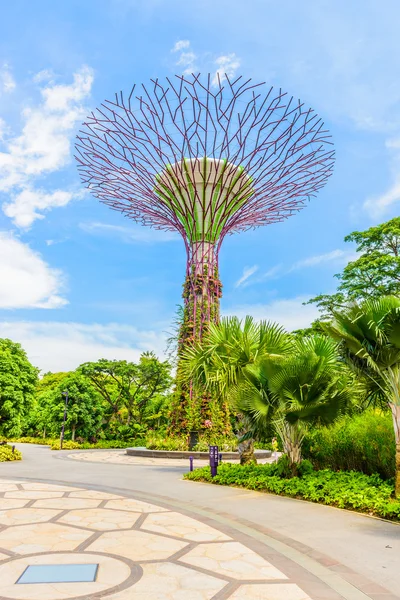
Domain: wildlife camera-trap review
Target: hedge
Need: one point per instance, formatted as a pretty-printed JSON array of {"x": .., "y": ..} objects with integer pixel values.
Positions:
[
  {"x": 350, "y": 490},
  {"x": 362, "y": 443}
]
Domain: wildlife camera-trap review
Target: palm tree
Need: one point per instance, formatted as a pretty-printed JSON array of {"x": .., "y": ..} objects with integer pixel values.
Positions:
[
  {"x": 309, "y": 386},
  {"x": 370, "y": 336},
  {"x": 226, "y": 358}
]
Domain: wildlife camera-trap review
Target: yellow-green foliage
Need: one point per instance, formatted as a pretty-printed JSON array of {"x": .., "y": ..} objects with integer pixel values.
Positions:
[
  {"x": 6, "y": 454},
  {"x": 29, "y": 440},
  {"x": 68, "y": 445}
]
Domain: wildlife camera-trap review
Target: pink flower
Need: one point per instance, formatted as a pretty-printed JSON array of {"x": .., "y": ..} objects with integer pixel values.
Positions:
[{"x": 208, "y": 424}]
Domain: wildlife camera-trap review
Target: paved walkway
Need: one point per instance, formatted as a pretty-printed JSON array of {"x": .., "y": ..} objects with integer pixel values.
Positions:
[{"x": 157, "y": 537}]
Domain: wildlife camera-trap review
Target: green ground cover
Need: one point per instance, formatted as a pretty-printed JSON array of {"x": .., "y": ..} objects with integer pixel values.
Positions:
[{"x": 349, "y": 490}]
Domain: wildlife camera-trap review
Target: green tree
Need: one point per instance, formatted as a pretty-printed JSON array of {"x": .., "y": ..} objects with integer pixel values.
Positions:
[
  {"x": 310, "y": 386},
  {"x": 374, "y": 273},
  {"x": 370, "y": 335},
  {"x": 226, "y": 358},
  {"x": 39, "y": 421},
  {"x": 128, "y": 388},
  {"x": 84, "y": 411},
  {"x": 17, "y": 387}
]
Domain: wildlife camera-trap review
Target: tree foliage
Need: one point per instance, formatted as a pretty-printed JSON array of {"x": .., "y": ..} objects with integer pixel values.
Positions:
[
  {"x": 375, "y": 272},
  {"x": 84, "y": 410},
  {"x": 128, "y": 388},
  {"x": 17, "y": 387},
  {"x": 270, "y": 376},
  {"x": 370, "y": 336}
]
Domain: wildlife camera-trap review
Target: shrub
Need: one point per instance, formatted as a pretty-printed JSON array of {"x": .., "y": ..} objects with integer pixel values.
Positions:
[
  {"x": 101, "y": 445},
  {"x": 362, "y": 442},
  {"x": 225, "y": 444},
  {"x": 351, "y": 490},
  {"x": 67, "y": 445},
  {"x": 30, "y": 440},
  {"x": 6, "y": 454},
  {"x": 161, "y": 441},
  {"x": 156, "y": 441}
]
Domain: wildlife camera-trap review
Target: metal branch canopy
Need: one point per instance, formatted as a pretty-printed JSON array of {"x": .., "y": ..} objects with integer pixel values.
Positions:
[{"x": 204, "y": 158}]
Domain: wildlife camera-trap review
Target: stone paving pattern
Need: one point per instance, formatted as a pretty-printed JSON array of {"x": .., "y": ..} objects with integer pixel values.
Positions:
[{"x": 144, "y": 551}]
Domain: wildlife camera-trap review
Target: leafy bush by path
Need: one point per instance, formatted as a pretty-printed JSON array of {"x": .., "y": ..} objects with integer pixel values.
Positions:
[
  {"x": 102, "y": 445},
  {"x": 6, "y": 454},
  {"x": 351, "y": 490},
  {"x": 29, "y": 440},
  {"x": 153, "y": 441},
  {"x": 362, "y": 442},
  {"x": 68, "y": 444}
]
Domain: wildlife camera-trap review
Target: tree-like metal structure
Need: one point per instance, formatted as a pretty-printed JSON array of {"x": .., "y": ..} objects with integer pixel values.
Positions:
[{"x": 206, "y": 158}]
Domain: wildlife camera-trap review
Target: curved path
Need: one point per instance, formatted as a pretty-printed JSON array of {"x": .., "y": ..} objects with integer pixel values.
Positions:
[{"x": 188, "y": 541}]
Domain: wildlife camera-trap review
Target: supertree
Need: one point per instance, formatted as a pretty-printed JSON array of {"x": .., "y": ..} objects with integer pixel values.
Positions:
[{"x": 204, "y": 157}]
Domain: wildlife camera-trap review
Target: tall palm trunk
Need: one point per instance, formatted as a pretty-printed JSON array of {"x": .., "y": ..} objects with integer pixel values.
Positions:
[
  {"x": 395, "y": 408},
  {"x": 246, "y": 446},
  {"x": 246, "y": 452},
  {"x": 393, "y": 379}
]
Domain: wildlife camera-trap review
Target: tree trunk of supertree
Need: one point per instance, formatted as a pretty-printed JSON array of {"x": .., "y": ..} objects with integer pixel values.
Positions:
[{"x": 193, "y": 409}]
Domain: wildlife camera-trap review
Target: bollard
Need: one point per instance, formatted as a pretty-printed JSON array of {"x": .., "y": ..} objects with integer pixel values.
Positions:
[
  {"x": 190, "y": 463},
  {"x": 220, "y": 457},
  {"x": 12, "y": 449}
]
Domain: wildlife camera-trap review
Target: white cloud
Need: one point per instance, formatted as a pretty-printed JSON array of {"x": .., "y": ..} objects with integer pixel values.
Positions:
[
  {"x": 132, "y": 234},
  {"x": 7, "y": 83},
  {"x": 44, "y": 146},
  {"x": 56, "y": 346},
  {"x": 45, "y": 75},
  {"x": 272, "y": 273},
  {"x": 25, "y": 206},
  {"x": 226, "y": 65},
  {"x": 288, "y": 312},
  {"x": 180, "y": 45},
  {"x": 187, "y": 58},
  {"x": 247, "y": 272},
  {"x": 27, "y": 281},
  {"x": 337, "y": 256},
  {"x": 3, "y": 128},
  {"x": 377, "y": 206}
]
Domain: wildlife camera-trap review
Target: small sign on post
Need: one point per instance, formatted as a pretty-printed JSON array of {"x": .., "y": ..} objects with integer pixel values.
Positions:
[{"x": 214, "y": 456}]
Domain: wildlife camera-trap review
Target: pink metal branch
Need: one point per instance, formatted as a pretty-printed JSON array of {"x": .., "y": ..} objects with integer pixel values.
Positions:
[{"x": 281, "y": 145}]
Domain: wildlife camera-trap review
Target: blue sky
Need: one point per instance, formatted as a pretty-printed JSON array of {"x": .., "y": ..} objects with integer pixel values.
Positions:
[{"x": 79, "y": 281}]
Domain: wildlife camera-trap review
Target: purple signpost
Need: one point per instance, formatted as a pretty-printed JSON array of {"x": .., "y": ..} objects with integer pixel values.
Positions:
[{"x": 214, "y": 456}]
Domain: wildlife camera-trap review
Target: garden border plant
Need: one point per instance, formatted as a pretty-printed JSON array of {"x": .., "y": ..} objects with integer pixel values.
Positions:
[
  {"x": 344, "y": 489},
  {"x": 8, "y": 454}
]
